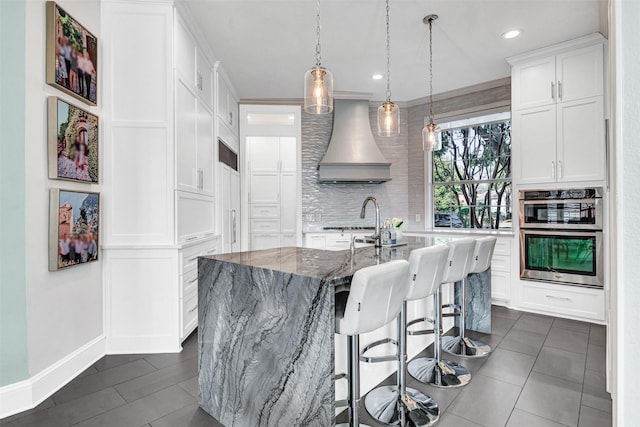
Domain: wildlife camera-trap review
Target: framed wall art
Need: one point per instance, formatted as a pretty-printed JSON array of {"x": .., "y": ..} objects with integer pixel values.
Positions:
[
  {"x": 72, "y": 55},
  {"x": 73, "y": 142},
  {"x": 74, "y": 223}
]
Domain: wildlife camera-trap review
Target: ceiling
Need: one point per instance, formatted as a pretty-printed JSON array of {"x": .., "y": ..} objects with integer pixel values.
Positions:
[{"x": 267, "y": 45}]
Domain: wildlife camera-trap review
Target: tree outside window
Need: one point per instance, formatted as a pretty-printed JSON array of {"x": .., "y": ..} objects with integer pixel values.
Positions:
[{"x": 472, "y": 177}]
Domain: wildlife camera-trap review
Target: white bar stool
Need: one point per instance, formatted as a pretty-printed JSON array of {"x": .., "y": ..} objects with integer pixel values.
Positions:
[
  {"x": 437, "y": 371},
  {"x": 462, "y": 345},
  {"x": 375, "y": 298},
  {"x": 426, "y": 266}
]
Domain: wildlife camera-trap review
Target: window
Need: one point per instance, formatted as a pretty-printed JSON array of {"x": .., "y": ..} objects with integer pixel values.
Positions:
[{"x": 472, "y": 174}]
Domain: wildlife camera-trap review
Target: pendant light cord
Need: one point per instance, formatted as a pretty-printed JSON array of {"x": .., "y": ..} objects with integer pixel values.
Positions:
[
  {"x": 318, "y": 58},
  {"x": 430, "y": 71},
  {"x": 388, "y": 58}
]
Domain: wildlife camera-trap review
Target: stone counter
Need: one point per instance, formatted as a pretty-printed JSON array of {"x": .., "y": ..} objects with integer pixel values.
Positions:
[{"x": 266, "y": 331}]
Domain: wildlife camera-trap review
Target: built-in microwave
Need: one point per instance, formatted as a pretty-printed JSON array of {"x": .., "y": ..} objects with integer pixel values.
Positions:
[{"x": 572, "y": 209}]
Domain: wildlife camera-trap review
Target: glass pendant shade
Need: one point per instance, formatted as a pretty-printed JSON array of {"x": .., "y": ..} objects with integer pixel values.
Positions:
[
  {"x": 430, "y": 139},
  {"x": 388, "y": 119},
  {"x": 318, "y": 91}
]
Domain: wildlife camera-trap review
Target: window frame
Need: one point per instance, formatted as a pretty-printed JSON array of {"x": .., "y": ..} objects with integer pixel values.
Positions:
[{"x": 430, "y": 184}]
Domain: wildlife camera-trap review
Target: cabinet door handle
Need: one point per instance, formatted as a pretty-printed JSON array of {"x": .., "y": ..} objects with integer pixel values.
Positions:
[
  {"x": 553, "y": 91},
  {"x": 193, "y": 281},
  {"x": 193, "y": 259},
  {"x": 559, "y": 91},
  {"x": 553, "y": 169},
  {"x": 233, "y": 225},
  {"x": 231, "y": 117},
  {"x": 559, "y": 169},
  {"x": 193, "y": 309}
]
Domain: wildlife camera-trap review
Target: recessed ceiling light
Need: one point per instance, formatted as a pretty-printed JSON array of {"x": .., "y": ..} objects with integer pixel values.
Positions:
[
  {"x": 377, "y": 77},
  {"x": 511, "y": 34}
]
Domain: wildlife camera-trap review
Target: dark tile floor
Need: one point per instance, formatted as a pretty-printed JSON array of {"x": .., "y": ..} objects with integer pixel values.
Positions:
[{"x": 543, "y": 372}]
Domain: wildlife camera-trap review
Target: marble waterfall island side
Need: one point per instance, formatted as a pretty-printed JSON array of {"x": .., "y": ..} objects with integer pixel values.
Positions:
[{"x": 266, "y": 324}]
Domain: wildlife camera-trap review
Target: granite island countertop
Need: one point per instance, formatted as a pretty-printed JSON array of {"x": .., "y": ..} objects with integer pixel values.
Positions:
[{"x": 324, "y": 264}]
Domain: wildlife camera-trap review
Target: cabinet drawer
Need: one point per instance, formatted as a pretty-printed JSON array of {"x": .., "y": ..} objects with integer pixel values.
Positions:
[
  {"x": 265, "y": 225},
  {"x": 189, "y": 255},
  {"x": 289, "y": 240},
  {"x": 314, "y": 241},
  {"x": 189, "y": 313},
  {"x": 503, "y": 247},
  {"x": 500, "y": 285},
  {"x": 195, "y": 216},
  {"x": 500, "y": 263},
  {"x": 338, "y": 242},
  {"x": 264, "y": 241},
  {"x": 189, "y": 282},
  {"x": 568, "y": 300},
  {"x": 265, "y": 211}
]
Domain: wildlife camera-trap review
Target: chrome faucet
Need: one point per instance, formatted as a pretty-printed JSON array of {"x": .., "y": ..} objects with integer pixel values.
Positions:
[{"x": 376, "y": 235}]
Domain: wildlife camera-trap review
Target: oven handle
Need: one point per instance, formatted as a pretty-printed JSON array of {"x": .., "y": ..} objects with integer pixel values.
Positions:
[{"x": 559, "y": 201}]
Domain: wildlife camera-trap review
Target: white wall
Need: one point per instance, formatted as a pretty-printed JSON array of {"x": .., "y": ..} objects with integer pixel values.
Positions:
[
  {"x": 626, "y": 38},
  {"x": 64, "y": 307}
]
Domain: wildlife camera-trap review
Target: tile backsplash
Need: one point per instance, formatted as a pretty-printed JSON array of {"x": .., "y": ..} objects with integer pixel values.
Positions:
[{"x": 326, "y": 205}]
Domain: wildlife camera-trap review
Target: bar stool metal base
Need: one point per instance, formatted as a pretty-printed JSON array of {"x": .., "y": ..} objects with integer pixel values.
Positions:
[
  {"x": 465, "y": 347},
  {"x": 447, "y": 375},
  {"x": 384, "y": 404}
]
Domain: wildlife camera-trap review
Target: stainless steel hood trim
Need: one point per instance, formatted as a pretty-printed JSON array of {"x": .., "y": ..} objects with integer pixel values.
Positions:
[{"x": 352, "y": 154}]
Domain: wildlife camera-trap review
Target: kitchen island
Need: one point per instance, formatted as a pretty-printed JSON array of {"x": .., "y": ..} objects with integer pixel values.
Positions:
[{"x": 266, "y": 331}]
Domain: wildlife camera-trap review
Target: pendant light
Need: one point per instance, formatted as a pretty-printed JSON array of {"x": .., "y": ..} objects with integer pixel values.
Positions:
[
  {"x": 388, "y": 112},
  {"x": 430, "y": 141},
  {"x": 318, "y": 81}
]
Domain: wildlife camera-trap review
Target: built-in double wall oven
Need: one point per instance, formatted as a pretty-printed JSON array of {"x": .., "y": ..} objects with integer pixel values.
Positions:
[{"x": 561, "y": 236}]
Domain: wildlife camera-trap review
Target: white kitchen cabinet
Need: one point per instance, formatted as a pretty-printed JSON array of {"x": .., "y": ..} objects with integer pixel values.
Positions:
[
  {"x": 559, "y": 143},
  {"x": 205, "y": 152},
  {"x": 204, "y": 79},
  {"x": 192, "y": 65},
  {"x": 227, "y": 102},
  {"x": 574, "y": 73},
  {"x": 230, "y": 199},
  {"x": 273, "y": 187},
  {"x": 185, "y": 53},
  {"x": 558, "y": 132},
  {"x": 264, "y": 241},
  {"x": 187, "y": 173},
  {"x": 581, "y": 140},
  {"x": 315, "y": 241},
  {"x": 196, "y": 215},
  {"x": 163, "y": 208},
  {"x": 194, "y": 142},
  {"x": 189, "y": 283},
  {"x": 501, "y": 270},
  {"x": 570, "y": 301}
]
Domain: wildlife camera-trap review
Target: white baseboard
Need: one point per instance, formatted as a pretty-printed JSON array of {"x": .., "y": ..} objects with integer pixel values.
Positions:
[{"x": 31, "y": 392}]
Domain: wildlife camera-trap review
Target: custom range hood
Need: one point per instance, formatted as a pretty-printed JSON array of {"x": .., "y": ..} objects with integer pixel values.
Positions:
[{"x": 353, "y": 155}]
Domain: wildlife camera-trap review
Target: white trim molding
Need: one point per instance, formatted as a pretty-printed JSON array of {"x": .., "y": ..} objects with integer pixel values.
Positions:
[{"x": 28, "y": 394}]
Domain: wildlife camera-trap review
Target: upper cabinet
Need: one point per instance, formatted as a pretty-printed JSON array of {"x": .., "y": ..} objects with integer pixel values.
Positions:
[
  {"x": 558, "y": 121},
  {"x": 192, "y": 65},
  {"x": 227, "y": 102},
  {"x": 568, "y": 76},
  {"x": 194, "y": 127}
]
